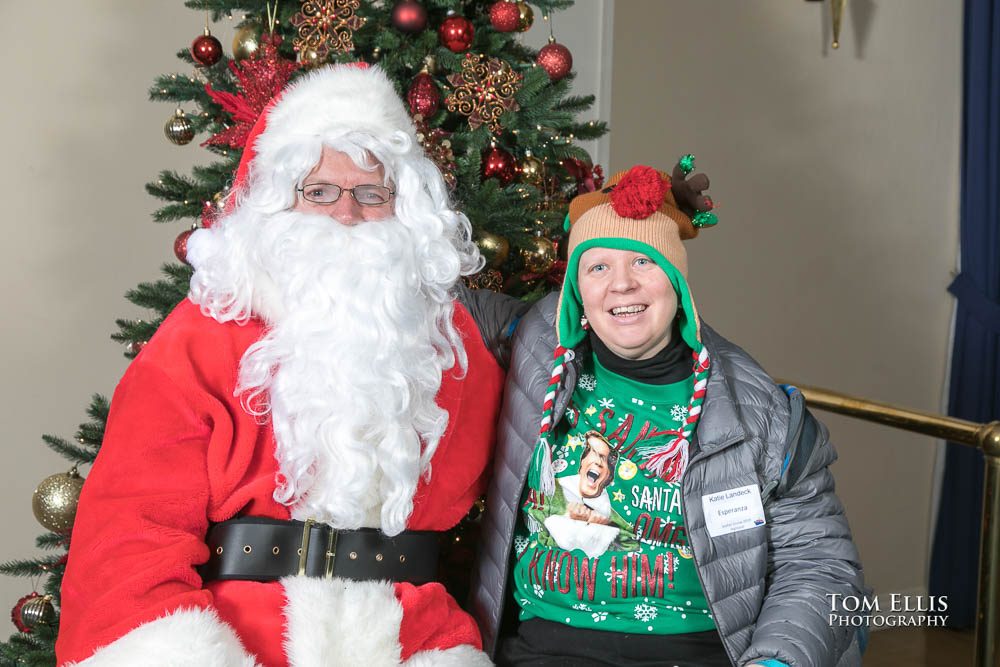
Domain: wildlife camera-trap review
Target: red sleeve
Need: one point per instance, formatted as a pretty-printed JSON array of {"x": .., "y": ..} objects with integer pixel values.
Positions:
[
  {"x": 141, "y": 520},
  {"x": 145, "y": 507}
]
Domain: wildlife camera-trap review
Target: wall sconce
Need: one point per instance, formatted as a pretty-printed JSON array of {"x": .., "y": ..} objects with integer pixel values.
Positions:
[{"x": 837, "y": 14}]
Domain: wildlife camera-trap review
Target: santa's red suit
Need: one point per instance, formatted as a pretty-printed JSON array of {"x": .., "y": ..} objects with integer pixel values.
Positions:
[{"x": 181, "y": 453}]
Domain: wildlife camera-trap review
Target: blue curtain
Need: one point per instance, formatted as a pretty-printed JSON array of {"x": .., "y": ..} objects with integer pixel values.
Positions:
[{"x": 975, "y": 361}]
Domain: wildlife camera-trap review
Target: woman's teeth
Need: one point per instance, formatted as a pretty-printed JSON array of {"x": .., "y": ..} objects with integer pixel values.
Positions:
[{"x": 627, "y": 310}]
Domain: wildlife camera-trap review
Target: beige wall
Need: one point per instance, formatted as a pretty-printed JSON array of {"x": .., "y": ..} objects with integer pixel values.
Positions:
[
  {"x": 836, "y": 175},
  {"x": 80, "y": 141}
]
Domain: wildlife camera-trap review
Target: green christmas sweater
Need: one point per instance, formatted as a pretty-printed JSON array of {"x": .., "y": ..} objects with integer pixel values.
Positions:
[{"x": 608, "y": 550}]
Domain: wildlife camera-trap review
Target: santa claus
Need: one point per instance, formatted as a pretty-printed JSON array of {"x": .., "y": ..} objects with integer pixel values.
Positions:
[{"x": 281, "y": 457}]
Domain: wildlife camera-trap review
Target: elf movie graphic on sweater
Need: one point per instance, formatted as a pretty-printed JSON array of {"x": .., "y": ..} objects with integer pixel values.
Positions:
[{"x": 608, "y": 549}]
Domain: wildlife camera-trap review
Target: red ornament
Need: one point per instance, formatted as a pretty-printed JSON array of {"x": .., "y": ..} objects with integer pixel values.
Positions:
[
  {"x": 589, "y": 177},
  {"x": 409, "y": 16},
  {"x": 456, "y": 33},
  {"x": 181, "y": 245},
  {"x": 206, "y": 49},
  {"x": 639, "y": 193},
  {"x": 505, "y": 16},
  {"x": 556, "y": 60},
  {"x": 424, "y": 96},
  {"x": 499, "y": 164},
  {"x": 209, "y": 214}
]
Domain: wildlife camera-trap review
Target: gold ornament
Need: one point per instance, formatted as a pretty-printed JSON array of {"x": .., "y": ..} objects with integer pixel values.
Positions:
[
  {"x": 179, "y": 129},
  {"x": 437, "y": 146},
  {"x": 526, "y": 18},
  {"x": 531, "y": 169},
  {"x": 246, "y": 41},
  {"x": 326, "y": 26},
  {"x": 54, "y": 501},
  {"x": 494, "y": 248},
  {"x": 483, "y": 91},
  {"x": 309, "y": 57},
  {"x": 490, "y": 279},
  {"x": 38, "y": 611},
  {"x": 540, "y": 255}
]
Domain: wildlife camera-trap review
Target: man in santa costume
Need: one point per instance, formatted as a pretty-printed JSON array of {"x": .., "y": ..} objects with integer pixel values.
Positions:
[{"x": 281, "y": 457}]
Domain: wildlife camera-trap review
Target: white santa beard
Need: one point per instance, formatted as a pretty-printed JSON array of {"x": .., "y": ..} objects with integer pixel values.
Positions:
[{"x": 350, "y": 365}]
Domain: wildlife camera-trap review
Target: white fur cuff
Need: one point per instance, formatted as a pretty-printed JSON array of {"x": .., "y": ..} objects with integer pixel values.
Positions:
[
  {"x": 459, "y": 656},
  {"x": 185, "y": 638},
  {"x": 341, "y": 622}
]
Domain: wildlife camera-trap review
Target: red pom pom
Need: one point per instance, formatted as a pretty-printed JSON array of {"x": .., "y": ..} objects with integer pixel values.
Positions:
[{"x": 639, "y": 193}]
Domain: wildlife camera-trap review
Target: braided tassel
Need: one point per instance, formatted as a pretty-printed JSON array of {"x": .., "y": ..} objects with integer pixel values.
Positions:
[
  {"x": 669, "y": 461},
  {"x": 541, "y": 476}
]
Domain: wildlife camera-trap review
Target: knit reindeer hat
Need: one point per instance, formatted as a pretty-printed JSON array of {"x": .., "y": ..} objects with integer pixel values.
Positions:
[{"x": 646, "y": 211}]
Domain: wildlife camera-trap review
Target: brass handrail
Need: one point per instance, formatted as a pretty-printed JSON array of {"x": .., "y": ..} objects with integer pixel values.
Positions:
[{"x": 985, "y": 437}]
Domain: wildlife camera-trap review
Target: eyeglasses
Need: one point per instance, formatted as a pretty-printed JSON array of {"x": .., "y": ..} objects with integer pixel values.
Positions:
[{"x": 328, "y": 193}]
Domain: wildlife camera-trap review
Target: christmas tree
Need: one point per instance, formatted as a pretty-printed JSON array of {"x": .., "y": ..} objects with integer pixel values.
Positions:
[{"x": 495, "y": 115}]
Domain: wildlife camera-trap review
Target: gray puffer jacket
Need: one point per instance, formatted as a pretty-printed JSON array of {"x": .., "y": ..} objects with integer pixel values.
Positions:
[
  {"x": 768, "y": 587},
  {"x": 496, "y": 316}
]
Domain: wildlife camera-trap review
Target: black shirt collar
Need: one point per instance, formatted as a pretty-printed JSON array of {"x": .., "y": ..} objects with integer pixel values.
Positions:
[{"x": 671, "y": 364}]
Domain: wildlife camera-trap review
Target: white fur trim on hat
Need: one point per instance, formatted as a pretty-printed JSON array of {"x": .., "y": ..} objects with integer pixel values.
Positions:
[
  {"x": 185, "y": 638},
  {"x": 331, "y": 102}
]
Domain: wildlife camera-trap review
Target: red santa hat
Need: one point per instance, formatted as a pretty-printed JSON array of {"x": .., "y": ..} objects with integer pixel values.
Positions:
[{"x": 325, "y": 104}]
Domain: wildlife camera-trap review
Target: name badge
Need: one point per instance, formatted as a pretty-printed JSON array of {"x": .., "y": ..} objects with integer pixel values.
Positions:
[{"x": 736, "y": 509}]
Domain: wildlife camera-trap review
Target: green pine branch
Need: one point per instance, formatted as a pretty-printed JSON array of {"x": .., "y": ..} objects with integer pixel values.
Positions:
[
  {"x": 162, "y": 296},
  {"x": 187, "y": 193},
  {"x": 34, "y": 649},
  {"x": 135, "y": 331},
  {"x": 575, "y": 103},
  {"x": 176, "y": 88},
  {"x": 34, "y": 567},
  {"x": 69, "y": 450},
  {"x": 51, "y": 541}
]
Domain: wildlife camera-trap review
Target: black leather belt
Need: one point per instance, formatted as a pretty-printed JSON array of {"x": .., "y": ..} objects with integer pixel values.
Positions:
[{"x": 262, "y": 549}]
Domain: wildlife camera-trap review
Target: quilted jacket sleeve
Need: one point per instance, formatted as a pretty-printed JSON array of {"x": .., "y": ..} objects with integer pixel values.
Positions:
[
  {"x": 812, "y": 559},
  {"x": 517, "y": 431},
  {"x": 496, "y": 317}
]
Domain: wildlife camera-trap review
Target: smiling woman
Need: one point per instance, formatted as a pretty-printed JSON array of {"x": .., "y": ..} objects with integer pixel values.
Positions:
[
  {"x": 735, "y": 560},
  {"x": 628, "y": 300}
]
